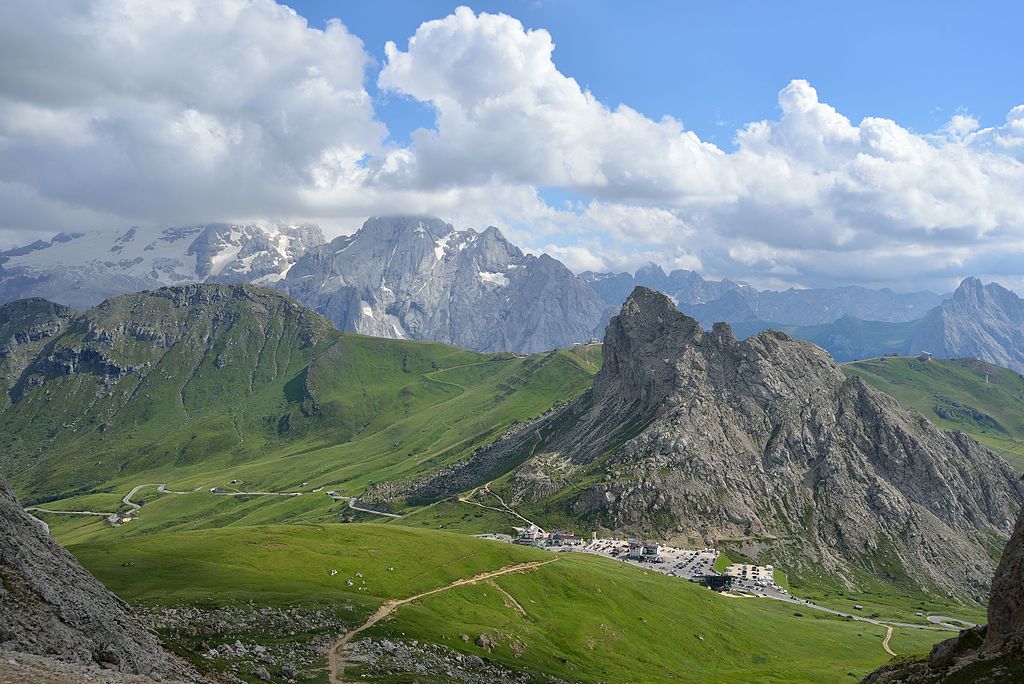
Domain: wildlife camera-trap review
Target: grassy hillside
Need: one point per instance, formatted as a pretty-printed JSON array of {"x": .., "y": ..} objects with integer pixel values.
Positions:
[
  {"x": 983, "y": 400},
  {"x": 244, "y": 384},
  {"x": 580, "y": 618}
]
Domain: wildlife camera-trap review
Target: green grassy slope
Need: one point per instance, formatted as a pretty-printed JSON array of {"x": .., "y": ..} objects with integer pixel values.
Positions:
[
  {"x": 584, "y": 619},
  {"x": 955, "y": 395},
  {"x": 250, "y": 386}
]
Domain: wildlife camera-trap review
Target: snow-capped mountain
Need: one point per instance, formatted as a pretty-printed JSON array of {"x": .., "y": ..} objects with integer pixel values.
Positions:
[
  {"x": 83, "y": 269},
  {"x": 419, "y": 278}
]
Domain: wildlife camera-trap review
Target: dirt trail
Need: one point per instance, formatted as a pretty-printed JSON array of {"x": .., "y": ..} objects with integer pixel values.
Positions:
[
  {"x": 505, "y": 507},
  {"x": 335, "y": 655},
  {"x": 885, "y": 642},
  {"x": 510, "y": 600}
]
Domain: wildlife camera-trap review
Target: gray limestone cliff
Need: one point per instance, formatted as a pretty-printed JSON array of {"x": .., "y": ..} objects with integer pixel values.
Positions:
[
  {"x": 980, "y": 321},
  {"x": 419, "y": 278},
  {"x": 988, "y": 653},
  {"x": 51, "y": 606}
]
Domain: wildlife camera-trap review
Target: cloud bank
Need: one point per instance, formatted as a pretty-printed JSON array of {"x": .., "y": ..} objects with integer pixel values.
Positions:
[{"x": 114, "y": 111}]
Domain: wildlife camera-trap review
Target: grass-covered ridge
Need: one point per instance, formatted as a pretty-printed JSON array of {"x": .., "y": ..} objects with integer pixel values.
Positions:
[
  {"x": 984, "y": 400},
  {"x": 202, "y": 385}
]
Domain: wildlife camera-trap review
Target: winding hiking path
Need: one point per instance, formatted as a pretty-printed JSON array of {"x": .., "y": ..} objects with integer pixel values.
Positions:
[
  {"x": 505, "y": 507},
  {"x": 335, "y": 652},
  {"x": 950, "y": 622},
  {"x": 356, "y": 507},
  {"x": 162, "y": 488},
  {"x": 885, "y": 642}
]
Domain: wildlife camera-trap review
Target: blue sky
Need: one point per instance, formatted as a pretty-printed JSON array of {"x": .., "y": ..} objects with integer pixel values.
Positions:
[
  {"x": 787, "y": 144},
  {"x": 718, "y": 65}
]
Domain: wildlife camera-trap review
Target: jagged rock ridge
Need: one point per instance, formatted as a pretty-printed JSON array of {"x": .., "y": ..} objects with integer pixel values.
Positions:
[
  {"x": 701, "y": 436},
  {"x": 980, "y": 321},
  {"x": 419, "y": 278},
  {"x": 51, "y": 606}
]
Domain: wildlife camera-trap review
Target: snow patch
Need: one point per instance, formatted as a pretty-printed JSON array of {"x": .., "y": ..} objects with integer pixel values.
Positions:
[
  {"x": 494, "y": 279},
  {"x": 441, "y": 245}
]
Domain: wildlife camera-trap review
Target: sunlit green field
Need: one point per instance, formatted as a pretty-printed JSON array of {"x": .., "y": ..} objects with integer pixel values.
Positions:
[{"x": 581, "y": 618}]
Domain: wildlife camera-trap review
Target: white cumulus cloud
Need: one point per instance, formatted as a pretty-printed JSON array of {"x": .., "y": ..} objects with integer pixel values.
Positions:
[{"x": 122, "y": 111}]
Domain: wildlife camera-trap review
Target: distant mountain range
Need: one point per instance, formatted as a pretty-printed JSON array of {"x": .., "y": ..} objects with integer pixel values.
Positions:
[
  {"x": 727, "y": 300},
  {"x": 420, "y": 278},
  {"x": 82, "y": 269},
  {"x": 976, "y": 321},
  {"x": 399, "y": 277}
]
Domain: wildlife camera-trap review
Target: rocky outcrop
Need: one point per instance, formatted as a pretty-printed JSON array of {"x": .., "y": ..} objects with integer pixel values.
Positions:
[
  {"x": 25, "y": 328},
  {"x": 989, "y": 653},
  {"x": 699, "y": 436},
  {"x": 23, "y": 668},
  {"x": 51, "y": 606},
  {"x": 980, "y": 321},
  {"x": 1006, "y": 606},
  {"x": 419, "y": 278}
]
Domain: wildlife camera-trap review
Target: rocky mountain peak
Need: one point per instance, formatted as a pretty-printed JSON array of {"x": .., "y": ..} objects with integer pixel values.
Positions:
[
  {"x": 417, "y": 277},
  {"x": 405, "y": 228},
  {"x": 974, "y": 294},
  {"x": 970, "y": 289},
  {"x": 979, "y": 321},
  {"x": 704, "y": 436},
  {"x": 641, "y": 344}
]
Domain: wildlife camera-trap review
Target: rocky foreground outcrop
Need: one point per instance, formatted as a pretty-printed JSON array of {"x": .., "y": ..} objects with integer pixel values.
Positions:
[
  {"x": 697, "y": 436},
  {"x": 989, "y": 653},
  {"x": 51, "y": 606}
]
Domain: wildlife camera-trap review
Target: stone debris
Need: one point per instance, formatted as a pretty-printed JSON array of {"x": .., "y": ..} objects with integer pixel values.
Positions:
[{"x": 380, "y": 658}]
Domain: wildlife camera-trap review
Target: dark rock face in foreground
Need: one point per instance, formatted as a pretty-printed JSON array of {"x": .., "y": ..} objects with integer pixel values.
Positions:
[
  {"x": 1006, "y": 607},
  {"x": 992, "y": 653},
  {"x": 693, "y": 435},
  {"x": 51, "y": 606}
]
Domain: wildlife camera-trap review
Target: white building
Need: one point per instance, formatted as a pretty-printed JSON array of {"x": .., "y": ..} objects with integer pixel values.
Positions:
[
  {"x": 530, "y": 536},
  {"x": 647, "y": 552}
]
